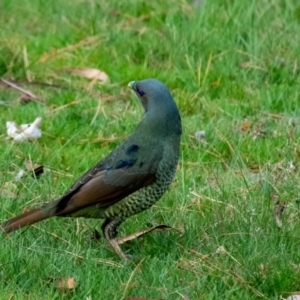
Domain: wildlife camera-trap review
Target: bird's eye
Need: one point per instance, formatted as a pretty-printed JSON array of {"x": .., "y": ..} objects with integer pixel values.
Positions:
[{"x": 140, "y": 92}]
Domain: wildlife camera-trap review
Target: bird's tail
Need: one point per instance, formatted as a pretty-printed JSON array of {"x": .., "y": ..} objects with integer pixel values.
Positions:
[{"x": 25, "y": 219}]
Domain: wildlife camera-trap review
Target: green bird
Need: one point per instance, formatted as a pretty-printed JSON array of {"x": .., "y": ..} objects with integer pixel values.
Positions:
[{"x": 131, "y": 178}]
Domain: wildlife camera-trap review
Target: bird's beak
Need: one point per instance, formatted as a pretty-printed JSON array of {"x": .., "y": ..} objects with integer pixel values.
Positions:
[{"x": 130, "y": 84}]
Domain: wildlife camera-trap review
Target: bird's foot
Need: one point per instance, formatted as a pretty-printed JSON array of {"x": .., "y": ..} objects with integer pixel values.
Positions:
[{"x": 117, "y": 248}]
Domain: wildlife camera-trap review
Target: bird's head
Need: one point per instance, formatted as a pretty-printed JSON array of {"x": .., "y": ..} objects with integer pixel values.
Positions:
[
  {"x": 161, "y": 112},
  {"x": 152, "y": 93}
]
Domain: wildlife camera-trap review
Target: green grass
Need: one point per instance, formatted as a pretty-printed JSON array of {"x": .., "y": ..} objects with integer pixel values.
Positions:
[{"x": 227, "y": 63}]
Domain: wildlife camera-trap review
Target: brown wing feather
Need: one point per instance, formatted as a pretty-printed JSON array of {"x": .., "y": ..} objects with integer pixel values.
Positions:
[
  {"x": 111, "y": 180},
  {"x": 99, "y": 191}
]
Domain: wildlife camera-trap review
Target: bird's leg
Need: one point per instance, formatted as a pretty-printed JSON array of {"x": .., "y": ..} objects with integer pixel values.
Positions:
[{"x": 109, "y": 229}]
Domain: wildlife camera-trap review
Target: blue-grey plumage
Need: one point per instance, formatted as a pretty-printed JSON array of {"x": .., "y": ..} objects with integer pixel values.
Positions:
[{"x": 131, "y": 178}]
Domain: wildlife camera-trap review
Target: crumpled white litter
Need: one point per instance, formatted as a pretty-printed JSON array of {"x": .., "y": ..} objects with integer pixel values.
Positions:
[
  {"x": 201, "y": 137},
  {"x": 20, "y": 174},
  {"x": 24, "y": 132},
  {"x": 293, "y": 297}
]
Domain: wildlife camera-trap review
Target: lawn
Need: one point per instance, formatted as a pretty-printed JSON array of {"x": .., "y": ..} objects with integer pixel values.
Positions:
[{"x": 233, "y": 69}]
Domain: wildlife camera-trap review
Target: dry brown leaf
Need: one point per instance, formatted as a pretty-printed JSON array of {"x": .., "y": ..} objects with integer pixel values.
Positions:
[
  {"x": 30, "y": 166},
  {"x": 246, "y": 126},
  {"x": 89, "y": 73},
  {"x": 24, "y": 98},
  {"x": 275, "y": 116},
  {"x": 25, "y": 94},
  {"x": 141, "y": 233},
  {"x": 245, "y": 64},
  {"x": 8, "y": 190},
  {"x": 254, "y": 167},
  {"x": 65, "y": 284}
]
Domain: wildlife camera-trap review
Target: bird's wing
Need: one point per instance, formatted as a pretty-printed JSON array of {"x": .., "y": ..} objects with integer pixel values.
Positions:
[{"x": 108, "y": 183}]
